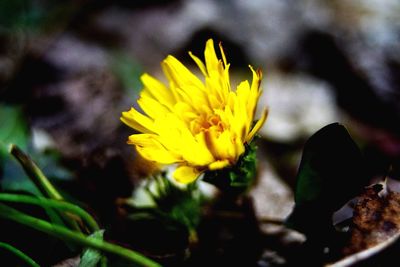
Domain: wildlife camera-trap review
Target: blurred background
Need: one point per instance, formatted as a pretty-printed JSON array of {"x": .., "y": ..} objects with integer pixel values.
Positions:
[{"x": 69, "y": 68}]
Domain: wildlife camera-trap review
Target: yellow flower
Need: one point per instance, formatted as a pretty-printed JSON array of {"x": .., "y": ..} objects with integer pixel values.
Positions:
[{"x": 197, "y": 124}]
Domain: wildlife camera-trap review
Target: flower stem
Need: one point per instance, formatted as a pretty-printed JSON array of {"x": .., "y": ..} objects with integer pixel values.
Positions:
[
  {"x": 42, "y": 183},
  {"x": 44, "y": 202},
  {"x": 36, "y": 175},
  {"x": 19, "y": 254},
  {"x": 75, "y": 237}
]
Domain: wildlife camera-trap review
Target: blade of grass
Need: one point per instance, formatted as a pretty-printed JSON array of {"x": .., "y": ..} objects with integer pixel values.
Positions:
[
  {"x": 75, "y": 237},
  {"x": 28, "y": 260},
  {"x": 36, "y": 175},
  {"x": 50, "y": 203},
  {"x": 42, "y": 183}
]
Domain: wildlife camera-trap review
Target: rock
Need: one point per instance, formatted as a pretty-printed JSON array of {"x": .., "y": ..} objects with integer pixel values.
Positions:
[
  {"x": 271, "y": 204},
  {"x": 299, "y": 105}
]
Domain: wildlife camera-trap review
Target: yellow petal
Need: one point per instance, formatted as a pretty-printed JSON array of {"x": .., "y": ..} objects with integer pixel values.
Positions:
[
  {"x": 255, "y": 91},
  {"x": 195, "y": 152},
  {"x": 152, "y": 107},
  {"x": 220, "y": 144},
  {"x": 210, "y": 57},
  {"x": 199, "y": 63},
  {"x": 222, "y": 54},
  {"x": 179, "y": 74},
  {"x": 216, "y": 86},
  {"x": 185, "y": 112},
  {"x": 157, "y": 90},
  {"x": 257, "y": 77},
  {"x": 137, "y": 121},
  {"x": 217, "y": 165},
  {"x": 198, "y": 124},
  {"x": 242, "y": 119},
  {"x": 176, "y": 136},
  {"x": 243, "y": 90},
  {"x": 257, "y": 126},
  {"x": 186, "y": 174},
  {"x": 150, "y": 148},
  {"x": 195, "y": 98}
]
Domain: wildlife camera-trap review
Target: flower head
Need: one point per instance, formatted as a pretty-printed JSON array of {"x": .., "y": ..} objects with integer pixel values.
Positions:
[{"x": 199, "y": 125}]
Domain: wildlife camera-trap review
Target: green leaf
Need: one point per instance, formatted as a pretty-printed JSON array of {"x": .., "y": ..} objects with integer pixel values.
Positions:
[
  {"x": 13, "y": 129},
  {"x": 90, "y": 256},
  {"x": 169, "y": 224},
  {"x": 33, "y": 16},
  {"x": 35, "y": 173},
  {"x": 128, "y": 71},
  {"x": 50, "y": 162},
  {"x": 244, "y": 173},
  {"x": 14, "y": 178},
  {"x": 18, "y": 13},
  {"x": 180, "y": 204},
  {"x": 157, "y": 232},
  {"x": 331, "y": 172},
  {"x": 43, "y": 184},
  {"x": 67, "y": 235},
  {"x": 237, "y": 179},
  {"x": 60, "y": 206},
  {"x": 18, "y": 253}
]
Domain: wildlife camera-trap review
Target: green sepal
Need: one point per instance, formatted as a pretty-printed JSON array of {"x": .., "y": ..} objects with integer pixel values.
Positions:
[{"x": 238, "y": 178}]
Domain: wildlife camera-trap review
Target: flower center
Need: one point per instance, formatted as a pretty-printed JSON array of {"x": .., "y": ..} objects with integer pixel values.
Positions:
[{"x": 207, "y": 122}]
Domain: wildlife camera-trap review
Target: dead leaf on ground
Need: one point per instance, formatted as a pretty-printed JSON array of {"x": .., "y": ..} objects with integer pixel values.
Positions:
[{"x": 376, "y": 219}]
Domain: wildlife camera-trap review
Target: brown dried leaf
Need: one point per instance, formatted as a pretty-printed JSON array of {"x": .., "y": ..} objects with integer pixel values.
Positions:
[
  {"x": 376, "y": 219},
  {"x": 71, "y": 262}
]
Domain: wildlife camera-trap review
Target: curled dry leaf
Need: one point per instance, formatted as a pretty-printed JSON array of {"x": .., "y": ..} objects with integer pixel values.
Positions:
[
  {"x": 71, "y": 262},
  {"x": 366, "y": 254},
  {"x": 376, "y": 225},
  {"x": 376, "y": 219}
]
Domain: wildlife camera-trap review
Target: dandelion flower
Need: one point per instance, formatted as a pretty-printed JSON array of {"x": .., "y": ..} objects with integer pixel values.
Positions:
[{"x": 199, "y": 124}]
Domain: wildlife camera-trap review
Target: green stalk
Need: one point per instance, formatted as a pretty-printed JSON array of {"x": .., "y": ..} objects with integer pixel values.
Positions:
[
  {"x": 30, "y": 262},
  {"x": 103, "y": 261},
  {"x": 50, "y": 203},
  {"x": 36, "y": 175},
  {"x": 41, "y": 182},
  {"x": 75, "y": 237}
]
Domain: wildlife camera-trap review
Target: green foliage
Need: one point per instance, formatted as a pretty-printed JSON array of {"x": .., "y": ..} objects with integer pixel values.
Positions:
[
  {"x": 244, "y": 173},
  {"x": 18, "y": 253},
  {"x": 167, "y": 215},
  {"x": 15, "y": 179},
  {"x": 330, "y": 174},
  {"x": 128, "y": 71},
  {"x": 238, "y": 178},
  {"x": 49, "y": 160},
  {"x": 60, "y": 206},
  {"x": 34, "y": 16},
  {"x": 73, "y": 215},
  {"x": 13, "y": 129},
  {"x": 68, "y": 235},
  {"x": 20, "y": 13},
  {"x": 173, "y": 204},
  {"x": 35, "y": 173},
  {"x": 91, "y": 257}
]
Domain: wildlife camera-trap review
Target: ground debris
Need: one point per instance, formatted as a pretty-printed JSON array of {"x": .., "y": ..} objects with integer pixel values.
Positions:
[{"x": 376, "y": 219}]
